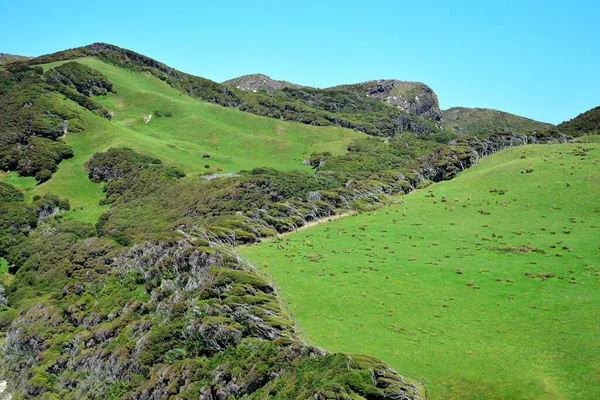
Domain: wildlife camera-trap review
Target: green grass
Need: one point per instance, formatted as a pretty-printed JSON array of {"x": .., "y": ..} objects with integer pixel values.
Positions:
[
  {"x": 3, "y": 266},
  {"x": 234, "y": 140},
  {"x": 588, "y": 139},
  {"x": 386, "y": 283}
]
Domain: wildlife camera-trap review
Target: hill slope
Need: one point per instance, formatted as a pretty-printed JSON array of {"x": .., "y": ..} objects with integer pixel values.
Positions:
[
  {"x": 8, "y": 58},
  {"x": 197, "y": 137},
  {"x": 485, "y": 285},
  {"x": 481, "y": 121}
]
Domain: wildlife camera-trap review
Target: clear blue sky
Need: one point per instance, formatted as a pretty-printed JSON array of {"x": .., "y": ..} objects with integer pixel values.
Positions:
[{"x": 539, "y": 59}]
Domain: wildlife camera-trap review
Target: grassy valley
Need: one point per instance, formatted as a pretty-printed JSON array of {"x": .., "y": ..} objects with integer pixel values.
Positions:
[{"x": 485, "y": 285}]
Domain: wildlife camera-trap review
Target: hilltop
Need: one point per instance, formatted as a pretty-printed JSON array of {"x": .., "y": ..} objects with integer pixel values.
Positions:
[
  {"x": 258, "y": 82},
  {"x": 481, "y": 121}
]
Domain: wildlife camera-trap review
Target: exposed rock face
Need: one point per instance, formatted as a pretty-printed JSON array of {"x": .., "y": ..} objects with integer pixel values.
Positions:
[
  {"x": 3, "y": 300},
  {"x": 413, "y": 97},
  {"x": 257, "y": 82}
]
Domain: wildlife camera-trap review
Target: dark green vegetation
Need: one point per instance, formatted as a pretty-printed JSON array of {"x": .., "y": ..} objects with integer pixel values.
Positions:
[
  {"x": 485, "y": 285},
  {"x": 587, "y": 123},
  {"x": 126, "y": 286},
  {"x": 34, "y": 117}
]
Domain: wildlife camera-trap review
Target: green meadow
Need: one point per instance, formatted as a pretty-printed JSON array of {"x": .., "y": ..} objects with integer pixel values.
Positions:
[
  {"x": 199, "y": 137},
  {"x": 484, "y": 287}
]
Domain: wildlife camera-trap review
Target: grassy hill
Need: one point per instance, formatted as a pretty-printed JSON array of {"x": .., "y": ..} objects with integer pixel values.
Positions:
[
  {"x": 197, "y": 135},
  {"x": 481, "y": 121},
  {"x": 486, "y": 286}
]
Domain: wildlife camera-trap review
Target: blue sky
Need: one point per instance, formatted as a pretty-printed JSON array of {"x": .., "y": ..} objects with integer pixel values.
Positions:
[{"x": 539, "y": 59}]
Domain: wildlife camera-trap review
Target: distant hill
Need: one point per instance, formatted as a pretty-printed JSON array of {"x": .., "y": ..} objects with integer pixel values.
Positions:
[
  {"x": 413, "y": 97},
  {"x": 257, "y": 82},
  {"x": 6, "y": 58},
  {"x": 587, "y": 122},
  {"x": 481, "y": 121}
]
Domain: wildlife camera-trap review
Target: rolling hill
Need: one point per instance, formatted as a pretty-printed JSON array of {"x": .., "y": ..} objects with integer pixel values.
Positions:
[
  {"x": 481, "y": 121},
  {"x": 484, "y": 285},
  {"x": 126, "y": 186}
]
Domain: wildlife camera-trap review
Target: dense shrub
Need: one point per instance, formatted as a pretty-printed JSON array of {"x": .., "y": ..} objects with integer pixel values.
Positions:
[
  {"x": 116, "y": 162},
  {"x": 9, "y": 193}
]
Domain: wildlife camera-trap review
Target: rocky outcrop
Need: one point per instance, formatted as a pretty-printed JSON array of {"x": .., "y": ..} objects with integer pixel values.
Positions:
[
  {"x": 258, "y": 82},
  {"x": 413, "y": 97}
]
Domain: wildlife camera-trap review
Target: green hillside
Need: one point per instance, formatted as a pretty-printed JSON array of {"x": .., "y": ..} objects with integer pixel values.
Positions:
[
  {"x": 199, "y": 137},
  {"x": 486, "y": 286}
]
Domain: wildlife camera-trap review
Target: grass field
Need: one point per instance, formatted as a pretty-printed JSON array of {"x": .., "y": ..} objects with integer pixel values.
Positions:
[
  {"x": 3, "y": 266},
  {"x": 489, "y": 290},
  {"x": 232, "y": 139}
]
